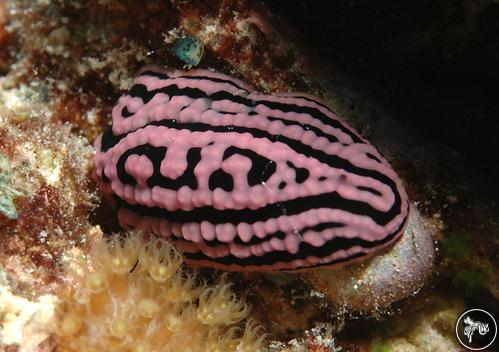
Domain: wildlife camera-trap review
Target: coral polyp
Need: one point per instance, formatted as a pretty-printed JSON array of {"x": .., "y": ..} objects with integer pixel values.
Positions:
[
  {"x": 160, "y": 260},
  {"x": 131, "y": 294},
  {"x": 218, "y": 305}
]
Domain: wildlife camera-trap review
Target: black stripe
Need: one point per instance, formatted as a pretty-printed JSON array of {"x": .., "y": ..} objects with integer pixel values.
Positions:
[
  {"x": 370, "y": 190},
  {"x": 318, "y": 132},
  {"x": 155, "y": 74},
  {"x": 261, "y": 167},
  {"x": 373, "y": 157},
  {"x": 140, "y": 90},
  {"x": 331, "y": 160},
  {"x": 109, "y": 140},
  {"x": 310, "y": 100},
  {"x": 278, "y": 234},
  {"x": 213, "y": 79},
  {"x": 228, "y": 112},
  {"x": 125, "y": 112},
  {"x": 218, "y": 80},
  {"x": 231, "y": 82},
  {"x": 301, "y": 174},
  {"x": 305, "y": 250},
  {"x": 331, "y": 200},
  {"x": 156, "y": 155},
  {"x": 254, "y": 239},
  {"x": 220, "y": 179}
]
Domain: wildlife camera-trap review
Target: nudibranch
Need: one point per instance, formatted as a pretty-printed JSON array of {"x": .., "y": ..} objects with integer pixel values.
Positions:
[{"x": 242, "y": 180}]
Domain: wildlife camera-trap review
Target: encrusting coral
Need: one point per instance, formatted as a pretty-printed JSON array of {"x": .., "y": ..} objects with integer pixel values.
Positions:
[{"x": 131, "y": 294}]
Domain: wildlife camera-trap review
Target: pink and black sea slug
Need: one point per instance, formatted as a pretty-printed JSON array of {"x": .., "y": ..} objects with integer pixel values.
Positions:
[{"x": 242, "y": 180}]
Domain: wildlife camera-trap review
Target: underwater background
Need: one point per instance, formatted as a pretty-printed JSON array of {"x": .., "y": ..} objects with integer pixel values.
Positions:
[{"x": 418, "y": 79}]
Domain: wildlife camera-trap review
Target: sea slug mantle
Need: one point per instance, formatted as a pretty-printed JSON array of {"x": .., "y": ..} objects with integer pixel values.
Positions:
[{"x": 242, "y": 180}]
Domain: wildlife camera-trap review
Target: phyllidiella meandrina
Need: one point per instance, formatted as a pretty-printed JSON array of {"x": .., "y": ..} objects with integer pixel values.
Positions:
[{"x": 242, "y": 180}]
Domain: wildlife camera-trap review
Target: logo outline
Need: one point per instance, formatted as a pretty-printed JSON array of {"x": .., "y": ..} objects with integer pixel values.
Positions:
[{"x": 457, "y": 332}]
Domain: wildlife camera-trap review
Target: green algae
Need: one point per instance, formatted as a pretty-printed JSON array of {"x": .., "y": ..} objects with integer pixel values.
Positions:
[
  {"x": 471, "y": 280},
  {"x": 390, "y": 327},
  {"x": 457, "y": 246},
  {"x": 380, "y": 346},
  {"x": 7, "y": 189},
  {"x": 472, "y": 272}
]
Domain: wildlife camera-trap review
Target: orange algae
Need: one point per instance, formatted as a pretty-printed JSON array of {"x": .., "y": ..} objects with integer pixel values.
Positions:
[{"x": 132, "y": 294}]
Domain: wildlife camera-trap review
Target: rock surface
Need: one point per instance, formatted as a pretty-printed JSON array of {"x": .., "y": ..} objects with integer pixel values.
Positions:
[{"x": 63, "y": 64}]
